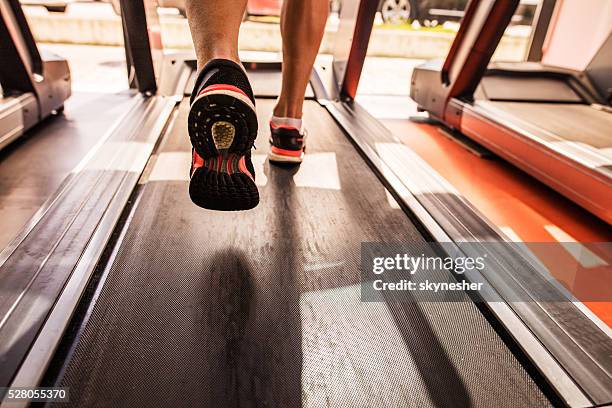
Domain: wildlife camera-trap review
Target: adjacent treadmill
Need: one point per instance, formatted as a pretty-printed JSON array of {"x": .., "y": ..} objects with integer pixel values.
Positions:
[
  {"x": 553, "y": 123},
  {"x": 127, "y": 294},
  {"x": 34, "y": 84}
]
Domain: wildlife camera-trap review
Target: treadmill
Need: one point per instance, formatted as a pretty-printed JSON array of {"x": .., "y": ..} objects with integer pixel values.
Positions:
[
  {"x": 34, "y": 83},
  {"x": 551, "y": 122},
  {"x": 126, "y": 294}
]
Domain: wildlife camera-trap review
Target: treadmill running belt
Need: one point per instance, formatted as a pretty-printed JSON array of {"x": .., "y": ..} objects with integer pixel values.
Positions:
[{"x": 262, "y": 308}]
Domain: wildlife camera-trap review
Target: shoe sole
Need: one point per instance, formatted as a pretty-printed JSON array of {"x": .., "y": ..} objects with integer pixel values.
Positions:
[
  {"x": 222, "y": 127},
  {"x": 223, "y": 184}
]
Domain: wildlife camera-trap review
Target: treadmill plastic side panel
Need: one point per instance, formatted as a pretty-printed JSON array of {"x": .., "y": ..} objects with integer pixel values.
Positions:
[{"x": 14, "y": 120}]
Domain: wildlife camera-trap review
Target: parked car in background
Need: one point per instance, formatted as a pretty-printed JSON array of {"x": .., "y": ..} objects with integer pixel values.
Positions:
[
  {"x": 426, "y": 12},
  {"x": 396, "y": 11},
  {"x": 433, "y": 12}
]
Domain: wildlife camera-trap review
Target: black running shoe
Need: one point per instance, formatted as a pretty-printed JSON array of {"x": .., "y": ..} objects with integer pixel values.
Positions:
[
  {"x": 287, "y": 144},
  {"x": 223, "y": 126}
]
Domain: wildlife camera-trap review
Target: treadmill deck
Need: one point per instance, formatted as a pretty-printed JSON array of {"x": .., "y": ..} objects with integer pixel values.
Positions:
[
  {"x": 262, "y": 308},
  {"x": 566, "y": 146}
]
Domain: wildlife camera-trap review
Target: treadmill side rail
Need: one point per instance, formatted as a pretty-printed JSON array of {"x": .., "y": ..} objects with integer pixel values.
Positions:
[
  {"x": 55, "y": 87},
  {"x": 352, "y": 40},
  {"x": 61, "y": 249},
  {"x": 449, "y": 218},
  {"x": 17, "y": 114},
  {"x": 143, "y": 44}
]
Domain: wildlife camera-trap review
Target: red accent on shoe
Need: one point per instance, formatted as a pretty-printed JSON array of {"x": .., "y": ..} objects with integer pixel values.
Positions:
[
  {"x": 283, "y": 152},
  {"x": 217, "y": 162},
  {"x": 196, "y": 162},
  {"x": 222, "y": 87},
  {"x": 242, "y": 167}
]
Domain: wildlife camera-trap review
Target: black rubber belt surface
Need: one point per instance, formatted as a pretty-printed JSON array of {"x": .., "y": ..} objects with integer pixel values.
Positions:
[{"x": 262, "y": 308}]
